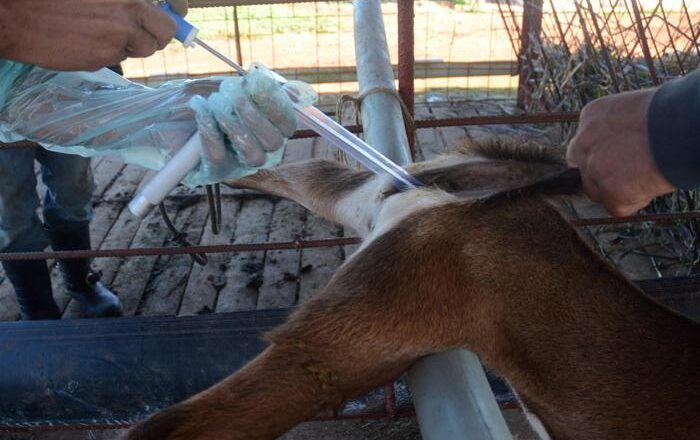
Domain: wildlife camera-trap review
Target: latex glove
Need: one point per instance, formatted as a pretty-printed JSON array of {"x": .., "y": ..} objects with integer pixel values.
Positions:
[
  {"x": 243, "y": 123},
  {"x": 82, "y": 34},
  {"x": 611, "y": 149},
  {"x": 256, "y": 116}
]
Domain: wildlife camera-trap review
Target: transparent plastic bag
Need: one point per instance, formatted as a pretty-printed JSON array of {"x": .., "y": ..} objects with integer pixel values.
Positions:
[{"x": 244, "y": 122}]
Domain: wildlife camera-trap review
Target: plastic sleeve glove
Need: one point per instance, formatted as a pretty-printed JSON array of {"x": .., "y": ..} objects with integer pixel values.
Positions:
[{"x": 243, "y": 123}]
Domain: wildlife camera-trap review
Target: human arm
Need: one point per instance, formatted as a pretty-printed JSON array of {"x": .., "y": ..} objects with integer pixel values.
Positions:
[
  {"x": 83, "y": 34},
  {"x": 611, "y": 149},
  {"x": 243, "y": 123},
  {"x": 635, "y": 146}
]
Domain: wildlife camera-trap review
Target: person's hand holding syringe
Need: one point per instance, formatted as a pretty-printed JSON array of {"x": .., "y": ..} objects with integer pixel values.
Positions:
[
  {"x": 196, "y": 132},
  {"x": 189, "y": 156}
]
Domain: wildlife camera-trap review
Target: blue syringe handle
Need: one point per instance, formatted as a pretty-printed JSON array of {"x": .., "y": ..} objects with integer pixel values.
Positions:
[{"x": 186, "y": 32}]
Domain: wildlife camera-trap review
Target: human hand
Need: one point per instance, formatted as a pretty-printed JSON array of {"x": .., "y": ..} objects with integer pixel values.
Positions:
[
  {"x": 611, "y": 149},
  {"x": 83, "y": 34},
  {"x": 243, "y": 123}
]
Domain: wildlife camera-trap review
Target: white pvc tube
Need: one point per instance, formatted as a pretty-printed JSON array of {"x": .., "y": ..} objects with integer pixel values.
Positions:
[
  {"x": 184, "y": 161},
  {"x": 452, "y": 397}
]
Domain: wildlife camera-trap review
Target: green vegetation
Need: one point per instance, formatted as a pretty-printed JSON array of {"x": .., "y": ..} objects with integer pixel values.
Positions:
[{"x": 265, "y": 20}]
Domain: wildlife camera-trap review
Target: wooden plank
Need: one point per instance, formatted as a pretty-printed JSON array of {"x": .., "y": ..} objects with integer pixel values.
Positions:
[
  {"x": 106, "y": 173},
  {"x": 134, "y": 273},
  {"x": 244, "y": 271},
  {"x": 448, "y": 137},
  {"x": 428, "y": 143},
  {"x": 319, "y": 264},
  {"x": 9, "y": 309},
  {"x": 119, "y": 236},
  {"x": 281, "y": 272},
  {"x": 205, "y": 282},
  {"x": 164, "y": 291},
  {"x": 127, "y": 180}
]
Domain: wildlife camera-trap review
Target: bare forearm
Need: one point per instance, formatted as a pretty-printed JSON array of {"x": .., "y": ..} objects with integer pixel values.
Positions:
[{"x": 81, "y": 34}]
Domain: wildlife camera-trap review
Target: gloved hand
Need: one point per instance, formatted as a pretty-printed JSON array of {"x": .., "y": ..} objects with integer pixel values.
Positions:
[
  {"x": 253, "y": 113},
  {"x": 243, "y": 122}
]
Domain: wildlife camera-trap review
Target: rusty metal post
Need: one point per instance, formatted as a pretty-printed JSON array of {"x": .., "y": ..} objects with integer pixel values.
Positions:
[
  {"x": 562, "y": 35},
  {"x": 603, "y": 47},
  {"x": 407, "y": 63},
  {"x": 641, "y": 34},
  {"x": 530, "y": 30},
  {"x": 237, "y": 36}
]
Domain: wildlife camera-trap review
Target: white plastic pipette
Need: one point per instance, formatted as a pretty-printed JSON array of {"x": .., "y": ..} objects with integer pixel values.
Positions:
[{"x": 188, "y": 156}]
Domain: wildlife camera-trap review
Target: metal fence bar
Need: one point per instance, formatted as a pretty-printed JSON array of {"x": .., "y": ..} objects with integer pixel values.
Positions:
[
  {"x": 641, "y": 33},
  {"x": 407, "y": 62},
  {"x": 531, "y": 28},
  {"x": 220, "y": 3},
  {"x": 300, "y": 244},
  {"x": 449, "y": 394},
  {"x": 603, "y": 46},
  {"x": 333, "y": 74},
  {"x": 527, "y": 118}
]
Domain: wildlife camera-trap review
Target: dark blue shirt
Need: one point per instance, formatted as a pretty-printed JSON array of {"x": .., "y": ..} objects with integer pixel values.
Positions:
[{"x": 673, "y": 124}]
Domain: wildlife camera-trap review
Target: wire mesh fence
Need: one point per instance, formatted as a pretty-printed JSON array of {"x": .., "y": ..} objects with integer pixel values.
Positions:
[
  {"x": 586, "y": 49},
  {"x": 462, "y": 47},
  {"x": 571, "y": 52}
]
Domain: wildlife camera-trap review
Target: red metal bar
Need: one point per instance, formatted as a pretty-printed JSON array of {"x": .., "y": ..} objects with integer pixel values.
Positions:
[
  {"x": 531, "y": 28},
  {"x": 562, "y": 36},
  {"x": 156, "y": 251},
  {"x": 407, "y": 62},
  {"x": 692, "y": 30},
  {"x": 603, "y": 47},
  {"x": 532, "y": 118},
  {"x": 670, "y": 37},
  {"x": 641, "y": 34},
  {"x": 237, "y": 36},
  {"x": 390, "y": 400},
  {"x": 587, "y": 40},
  {"x": 507, "y": 27}
]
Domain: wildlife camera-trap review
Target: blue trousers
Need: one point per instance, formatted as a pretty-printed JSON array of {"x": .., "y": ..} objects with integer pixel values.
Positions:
[{"x": 67, "y": 202}]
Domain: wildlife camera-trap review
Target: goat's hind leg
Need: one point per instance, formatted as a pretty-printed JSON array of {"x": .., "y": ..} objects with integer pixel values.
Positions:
[
  {"x": 319, "y": 185},
  {"x": 370, "y": 323}
]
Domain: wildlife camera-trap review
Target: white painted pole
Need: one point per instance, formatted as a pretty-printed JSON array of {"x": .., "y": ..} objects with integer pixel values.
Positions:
[
  {"x": 450, "y": 391},
  {"x": 383, "y": 122}
]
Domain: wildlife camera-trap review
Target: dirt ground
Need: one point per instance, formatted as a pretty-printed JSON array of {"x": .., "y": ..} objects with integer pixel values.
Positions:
[{"x": 310, "y": 35}]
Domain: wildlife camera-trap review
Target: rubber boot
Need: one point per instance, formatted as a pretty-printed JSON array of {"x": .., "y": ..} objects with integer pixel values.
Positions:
[
  {"x": 33, "y": 289},
  {"x": 81, "y": 282}
]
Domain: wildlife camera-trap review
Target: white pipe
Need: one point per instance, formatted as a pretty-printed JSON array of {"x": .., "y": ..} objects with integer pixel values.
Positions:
[
  {"x": 451, "y": 394},
  {"x": 167, "y": 178},
  {"x": 383, "y": 124}
]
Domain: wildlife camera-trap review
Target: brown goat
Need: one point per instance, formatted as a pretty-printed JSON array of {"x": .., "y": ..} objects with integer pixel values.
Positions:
[{"x": 479, "y": 259}]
